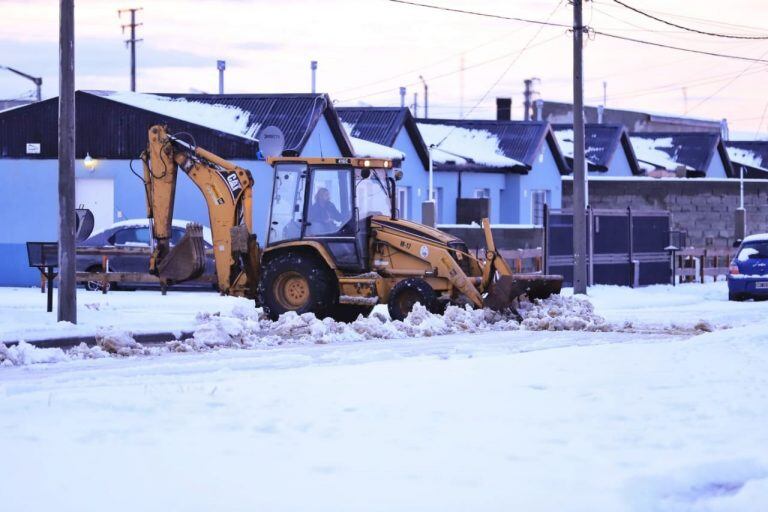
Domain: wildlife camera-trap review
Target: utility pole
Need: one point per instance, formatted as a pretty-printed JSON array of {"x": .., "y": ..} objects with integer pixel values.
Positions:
[
  {"x": 67, "y": 301},
  {"x": 132, "y": 41},
  {"x": 35, "y": 79},
  {"x": 527, "y": 99},
  {"x": 426, "y": 97},
  {"x": 579, "y": 163},
  {"x": 313, "y": 66},
  {"x": 605, "y": 93},
  {"x": 221, "y": 65},
  {"x": 415, "y": 104}
]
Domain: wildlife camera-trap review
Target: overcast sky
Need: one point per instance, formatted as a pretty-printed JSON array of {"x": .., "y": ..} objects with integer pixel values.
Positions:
[{"x": 368, "y": 48}]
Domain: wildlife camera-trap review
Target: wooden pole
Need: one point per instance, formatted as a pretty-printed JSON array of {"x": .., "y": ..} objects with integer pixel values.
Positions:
[{"x": 67, "y": 300}]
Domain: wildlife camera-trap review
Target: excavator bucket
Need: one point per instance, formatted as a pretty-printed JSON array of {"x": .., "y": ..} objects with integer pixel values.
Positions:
[
  {"x": 503, "y": 292},
  {"x": 186, "y": 260}
]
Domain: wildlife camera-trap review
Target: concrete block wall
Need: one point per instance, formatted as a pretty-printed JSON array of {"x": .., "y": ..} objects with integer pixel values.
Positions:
[{"x": 705, "y": 209}]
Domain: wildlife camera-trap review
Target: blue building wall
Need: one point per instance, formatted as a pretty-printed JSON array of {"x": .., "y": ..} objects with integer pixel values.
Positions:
[
  {"x": 415, "y": 176},
  {"x": 716, "y": 168},
  {"x": 30, "y": 208},
  {"x": 448, "y": 182},
  {"x": 544, "y": 175},
  {"x": 618, "y": 166}
]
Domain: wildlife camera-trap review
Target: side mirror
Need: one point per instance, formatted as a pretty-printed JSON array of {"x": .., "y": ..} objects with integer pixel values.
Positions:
[
  {"x": 737, "y": 242},
  {"x": 365, "y": 173},
  {"x": 398, "y": 175}
]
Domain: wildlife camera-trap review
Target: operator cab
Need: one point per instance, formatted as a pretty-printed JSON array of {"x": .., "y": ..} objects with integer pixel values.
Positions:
[{"x": 331, "y": 201}]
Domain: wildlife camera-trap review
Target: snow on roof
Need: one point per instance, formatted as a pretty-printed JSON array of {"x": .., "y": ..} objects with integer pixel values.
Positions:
[
  {"x": 565, "y": 141},
  {"x": 367, "y": 149},
  {"x": 650, "y": 157},
  {"x": 224, "y": 118},
  {"x": 759, "y": 237},
  {"x": 465, "y": 145},
  {"x": 144, "y": 223},
  {"x": 745, "y": 157}
]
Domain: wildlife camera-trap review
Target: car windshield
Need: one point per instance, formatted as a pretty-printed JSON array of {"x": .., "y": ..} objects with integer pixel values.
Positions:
[
  {"x": 753, "y": 250},
  {"x": 372, "y": 194}
]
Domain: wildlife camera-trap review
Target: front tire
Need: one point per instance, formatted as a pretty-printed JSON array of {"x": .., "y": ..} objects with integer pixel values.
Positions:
[
  {"x": 97, "y": 286},
  {"x": 407, "y": 293},
  {"x": 300, "y": 283},
  {"x": 736, "y": 297}
]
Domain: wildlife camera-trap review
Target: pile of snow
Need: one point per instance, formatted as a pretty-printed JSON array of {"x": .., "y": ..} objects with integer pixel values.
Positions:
[
  {"x": 565, "y": 140},
  {"x": 247, "y": 327},
  {"x": 367, "y": 149}
]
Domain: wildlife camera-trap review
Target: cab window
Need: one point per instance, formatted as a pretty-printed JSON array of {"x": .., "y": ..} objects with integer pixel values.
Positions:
[
  {"x": 330, "y": 209},
  {"x": 287, "y": 202}
]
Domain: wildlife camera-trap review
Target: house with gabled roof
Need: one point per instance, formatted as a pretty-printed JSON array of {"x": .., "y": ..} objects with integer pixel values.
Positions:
[
  {"x": 686, "y": 154},
  {"x": 608, "y": 149},
  {"x": 517, "y": 165},
  {"x": 394, "y": 127},
  {"x": 111, "y": 127},
  {"x": 752, "y": 155}
]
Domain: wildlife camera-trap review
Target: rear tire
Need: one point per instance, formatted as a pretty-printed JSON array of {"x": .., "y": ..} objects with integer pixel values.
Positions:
[
  {"x": 300, "y": 283},
  {"x": 407, "y": 293},
  {"x": 736, "y": 297}
]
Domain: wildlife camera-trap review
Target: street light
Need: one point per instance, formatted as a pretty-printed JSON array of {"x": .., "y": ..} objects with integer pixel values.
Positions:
[{"x": 36, "y": 79}]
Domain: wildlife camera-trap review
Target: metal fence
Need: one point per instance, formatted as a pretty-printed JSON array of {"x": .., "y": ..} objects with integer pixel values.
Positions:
[{"x": 625, "y": 247}]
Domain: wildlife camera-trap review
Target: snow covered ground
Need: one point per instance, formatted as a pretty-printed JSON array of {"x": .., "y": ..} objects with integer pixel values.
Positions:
[{"x": 653, "y": 413}]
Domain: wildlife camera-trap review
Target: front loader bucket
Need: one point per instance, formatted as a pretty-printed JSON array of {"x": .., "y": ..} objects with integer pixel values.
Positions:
[
  {"x": 186, "y": 260},
  {"x": 504, "y": 291}
]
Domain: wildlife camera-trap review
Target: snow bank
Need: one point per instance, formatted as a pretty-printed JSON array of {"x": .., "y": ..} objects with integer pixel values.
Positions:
[{"x": 247, "y": 327}]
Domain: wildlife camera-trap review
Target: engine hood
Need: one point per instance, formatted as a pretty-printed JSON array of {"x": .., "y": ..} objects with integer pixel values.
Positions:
[{"x": 413, "y": 228}]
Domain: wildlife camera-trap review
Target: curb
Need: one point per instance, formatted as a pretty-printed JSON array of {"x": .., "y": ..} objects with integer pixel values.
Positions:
[{"x": 73, "y": 341}]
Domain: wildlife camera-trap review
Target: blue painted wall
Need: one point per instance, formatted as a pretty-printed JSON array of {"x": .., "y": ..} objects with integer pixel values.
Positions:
[
  {"x": 544, "y": 175},
  {"x": 618, "y": 166},
  {"x": 448, "y": 181},
  {"x": 415, "y": 176}
]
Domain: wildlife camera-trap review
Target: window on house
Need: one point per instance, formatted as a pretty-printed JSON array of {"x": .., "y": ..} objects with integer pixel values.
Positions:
[
  {"x": 538, "y": 199},
  {"x": 482, "y": 193},
  {"x": 404, "y": 202}
]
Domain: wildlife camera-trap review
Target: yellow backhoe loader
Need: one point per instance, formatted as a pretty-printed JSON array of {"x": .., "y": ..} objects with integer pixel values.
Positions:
[{"x": 334, "y": 246}]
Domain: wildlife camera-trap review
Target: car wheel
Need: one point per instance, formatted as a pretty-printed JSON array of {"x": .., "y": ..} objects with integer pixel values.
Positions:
[
  {"x": 736, "y": 297},
  {"x": 407, "y": 293},
  {"x": 300, "y": 283}
]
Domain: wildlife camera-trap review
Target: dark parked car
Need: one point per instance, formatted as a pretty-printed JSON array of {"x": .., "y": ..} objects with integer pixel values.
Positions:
[
  {"x": 133, "y": 233},
  {"x": 748, "y": 273}
]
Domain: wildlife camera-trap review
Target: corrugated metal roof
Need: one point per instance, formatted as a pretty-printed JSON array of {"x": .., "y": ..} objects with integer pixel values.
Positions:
[
  {"x": 519, "y": 140},
  {"x": 601, "y": 142},
  {"x": 105, "y": 129},
  {"x": 693, "y": 149},
  {"x": 294, "y": 114},
  {"x": 110, "y": 129},
  {"x": 752, "y": 154},
  {"x": 375, "y": 124},
  {"x": 382, "y": 125}
]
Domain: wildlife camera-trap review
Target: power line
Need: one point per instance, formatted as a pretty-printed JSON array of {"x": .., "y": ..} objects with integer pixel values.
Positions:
[
  {"x": 485, "y": 15},
  {"x": 679, "y": 48},
  {"x": 682, "y": 27},
  {"x": 591, "y": 31}
]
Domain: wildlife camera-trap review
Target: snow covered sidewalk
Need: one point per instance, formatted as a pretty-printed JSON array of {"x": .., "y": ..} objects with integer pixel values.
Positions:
[{"x": 516, "y": 420}]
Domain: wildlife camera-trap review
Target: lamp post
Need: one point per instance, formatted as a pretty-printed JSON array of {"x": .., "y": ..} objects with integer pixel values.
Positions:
[
  {"x": 426, "y": 97},
  {"x": 35, "y": 79}
]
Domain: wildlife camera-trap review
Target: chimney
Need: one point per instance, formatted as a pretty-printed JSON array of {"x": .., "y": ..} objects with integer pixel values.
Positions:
[
  {"x": 539, "y": 109},
  {"x": 600, "y": 112},
  {"x": 503, "y": 109}
]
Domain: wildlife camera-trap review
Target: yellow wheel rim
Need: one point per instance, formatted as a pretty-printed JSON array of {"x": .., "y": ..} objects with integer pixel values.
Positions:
[{"x": 291, "y": 290}]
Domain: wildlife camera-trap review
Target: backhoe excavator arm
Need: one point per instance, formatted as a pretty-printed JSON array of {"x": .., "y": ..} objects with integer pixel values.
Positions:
[{"x": 227, "y": 190}]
